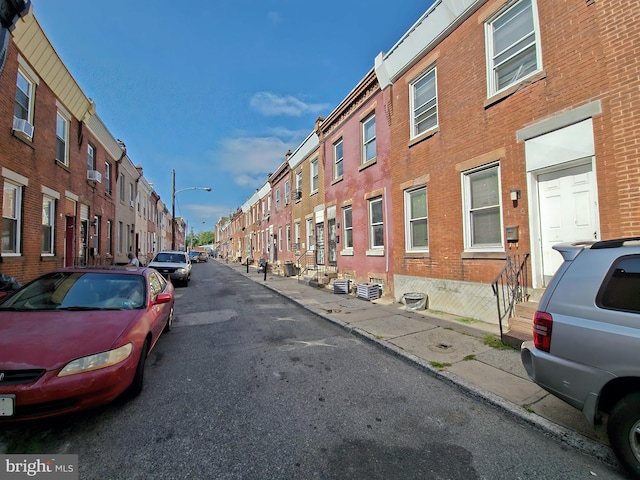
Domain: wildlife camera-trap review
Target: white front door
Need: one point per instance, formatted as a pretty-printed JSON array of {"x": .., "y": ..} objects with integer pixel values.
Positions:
[{"x": 568, "y": 211}]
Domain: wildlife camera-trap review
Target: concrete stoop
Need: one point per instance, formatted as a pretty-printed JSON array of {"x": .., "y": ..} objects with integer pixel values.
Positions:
[{"x": 521, "y": 324}]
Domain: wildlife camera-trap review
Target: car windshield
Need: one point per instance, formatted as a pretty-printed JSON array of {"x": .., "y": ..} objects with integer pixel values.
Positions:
[
  {"x": 163, "y": 257},
  {"x": 80, "y": 291}
]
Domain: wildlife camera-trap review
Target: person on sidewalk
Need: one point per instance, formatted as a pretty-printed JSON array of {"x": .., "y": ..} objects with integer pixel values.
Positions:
[{"x": 133, "y": 261}]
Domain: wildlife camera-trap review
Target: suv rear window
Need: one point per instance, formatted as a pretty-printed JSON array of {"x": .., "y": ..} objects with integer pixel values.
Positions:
[{"x": 621, "y": 288}]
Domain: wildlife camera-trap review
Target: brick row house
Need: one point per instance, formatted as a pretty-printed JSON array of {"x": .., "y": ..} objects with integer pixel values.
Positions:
[
  {"x": 71, "y": 195},
  {"x": 491, "y": 131}
]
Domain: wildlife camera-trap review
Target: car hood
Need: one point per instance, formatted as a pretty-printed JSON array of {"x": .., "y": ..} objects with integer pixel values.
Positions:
[{"x": 51, "y": 339}]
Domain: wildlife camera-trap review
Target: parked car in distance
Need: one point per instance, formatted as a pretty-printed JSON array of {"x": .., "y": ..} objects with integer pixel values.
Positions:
[
  {"x": 77, "y": 338},
  {"x": 586, "y": 339},
  {"x": 194, "y": 256},
  {"x": 173, "y": 264}
]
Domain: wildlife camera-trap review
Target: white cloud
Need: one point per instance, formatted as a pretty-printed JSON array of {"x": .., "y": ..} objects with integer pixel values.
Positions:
[{"x": 271, "y": 104}]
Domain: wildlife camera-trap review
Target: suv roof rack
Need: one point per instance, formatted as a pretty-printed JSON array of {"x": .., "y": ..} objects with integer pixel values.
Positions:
[{"x": 616, "y": 243}]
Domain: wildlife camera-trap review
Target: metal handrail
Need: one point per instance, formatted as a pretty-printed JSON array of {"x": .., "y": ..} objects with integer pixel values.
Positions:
[{"x": 511, "y": 286}]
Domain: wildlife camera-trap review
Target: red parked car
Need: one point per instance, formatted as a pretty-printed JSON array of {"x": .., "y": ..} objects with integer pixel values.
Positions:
[{"x": 76, "y": 338}]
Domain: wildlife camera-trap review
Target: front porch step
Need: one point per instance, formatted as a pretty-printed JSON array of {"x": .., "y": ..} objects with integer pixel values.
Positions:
[{"x": 521, "y": 324}]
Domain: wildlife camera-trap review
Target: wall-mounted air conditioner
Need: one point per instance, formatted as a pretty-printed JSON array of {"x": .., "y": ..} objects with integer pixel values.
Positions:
[
  {"x": 298, "y": 194},
  {"x": 94, "y": 176},
  {"x": 22, "y": 126}
]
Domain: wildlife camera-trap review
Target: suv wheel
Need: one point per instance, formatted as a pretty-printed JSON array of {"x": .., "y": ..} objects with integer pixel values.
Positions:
[{"x": 623, "y": 429}]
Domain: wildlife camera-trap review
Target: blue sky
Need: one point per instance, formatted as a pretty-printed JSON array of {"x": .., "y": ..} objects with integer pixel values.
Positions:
[{"x": 218, "y": 90}]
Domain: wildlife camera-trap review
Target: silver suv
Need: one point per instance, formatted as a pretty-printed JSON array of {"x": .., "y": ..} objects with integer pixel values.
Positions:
[
  {"x": 173, "y": 264},
  {"x": 586, "y": 339}
]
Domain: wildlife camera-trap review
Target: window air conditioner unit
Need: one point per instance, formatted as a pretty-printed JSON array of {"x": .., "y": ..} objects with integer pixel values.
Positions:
[
  {"x": 298, "y": 194},
  {"x": 94, "y": 176},
  {"x": 22, "y": 126}
]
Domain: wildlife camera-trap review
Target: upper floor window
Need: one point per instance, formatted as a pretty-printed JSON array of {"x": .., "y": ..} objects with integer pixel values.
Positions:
[
  {"x": 513, "y": 50},
  {"x": 314, "y": 175},
  {"x": 91, "y": 157},
  {"x": 277, "y": 199},
  {"x": 481, "y": 200},
  {"x": 62, "y": 139},
  {"x": 376, "y": 223},
  {"x": 347, "y": 228},
  {"x": 48, "y": 224},
  {"x": 122, "y": 188},
  {"x": 23, "y": 108},
  {"x": 131, "y": 195},
  {"x": 369, "y": 139},
  {"x": 298, "y": 185},
  {"x": 338, "y": 157},
  {"x": 287, "y": 192},
  {"x": 424, "y": 103},
  {"x": 417, "y": 232},
  {"x": 11, "y": 217},
  {"x": 107, "y": 177}
]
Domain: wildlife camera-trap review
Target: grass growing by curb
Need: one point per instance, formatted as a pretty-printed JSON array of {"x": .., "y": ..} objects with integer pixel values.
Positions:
[
  {"x": 439, "y": 365},
  {"x": 496, "y": 343},
  {"x": 469, "y": 357}
]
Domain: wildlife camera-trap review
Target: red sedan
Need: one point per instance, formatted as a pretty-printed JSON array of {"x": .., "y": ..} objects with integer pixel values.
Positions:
[{"x": 76, "y": 338}]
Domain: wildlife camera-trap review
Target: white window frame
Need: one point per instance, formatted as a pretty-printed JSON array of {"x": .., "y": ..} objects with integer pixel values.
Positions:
[
  {"x": 97, "y": 220},
  {"x": 427, "y": 108},
  {"x": 287, "y": 192},
  {"x": 309, "y": 231},
  {"x": 347, "y": 228},
  {"x": 411, "y": 219},
  {"x": 12, "y": 214},
  {"x": 108, "y": 239},
  {"x": 288, "y": 239},
  {"x": 296, "y": 234},
  {"x": 338, "y": 159},
  {"x": 62, "y": 136},
  {"x": 122, "y": 187},
  {"x": 277, "y": 199},
  {"x": 369, "y": 142},
  {"x": 314, "y": 177},
  {"x": 298, "y": 184},
  {"x": 107, "y": 177},
  {"x": 279, "y": 239},
  {"x": 373, "y": 224},
  {"x": 91, "y": 157},
  {"x": 31, "y": 85},
  {"x": 48, "y": 222},
  {"x": 470, "y": 211},
  {"x": 495, "y": 62}
]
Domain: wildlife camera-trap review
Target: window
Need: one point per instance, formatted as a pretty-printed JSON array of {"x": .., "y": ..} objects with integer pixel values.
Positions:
[
  {"x": 298, "y": 185},
  {"x": 369, "y": 139},
  {"x": 277, "y": 199},
  {"x": 417, "y": 231},
  {"x": 338, "y": 157},
  {"x": 107, "y": 177},
  {"x": 621, "y": 287},
  {"x": 288, "y": 230},
  {"x": 23, "y": 108},
  {"x": 48, "y": 224},
  {"x": 122, "y": 187},
  {"x": 11, "y": 218},
  {"x": 279, "y": 239},
  {"x": 131, "y": 195},
  {"x": 314, "y": 175},
  {"x": 483, "y": 226},
  {"x": 91, "y": 157},
  {"x": 376, "y": 225},
  {"x": 296, "y": 235},
  {"x": 347, "y": 227},
  {"x": 309, "y": 233},
  {"x": 287, "y": 192},
  {"x": 120, "y": 234},
  {"x": 62, "y": 139},
  {"x": 424, "y": 103},
  {"x": 109, "y": 234},
  {"x": 512, "y": 45}
]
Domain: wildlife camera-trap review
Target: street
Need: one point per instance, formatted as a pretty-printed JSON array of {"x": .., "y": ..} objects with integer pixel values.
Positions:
[{"x": 248, "y": 385}]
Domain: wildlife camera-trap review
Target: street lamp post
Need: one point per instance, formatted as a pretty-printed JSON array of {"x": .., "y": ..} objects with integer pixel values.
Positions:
[{"x": 173, "y": 205}]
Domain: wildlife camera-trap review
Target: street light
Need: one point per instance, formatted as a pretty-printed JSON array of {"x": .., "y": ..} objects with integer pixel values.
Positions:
[{"x": 173, "y": 205}]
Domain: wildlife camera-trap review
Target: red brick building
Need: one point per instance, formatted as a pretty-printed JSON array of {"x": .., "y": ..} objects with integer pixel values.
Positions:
[{"x": 513, "y": 127}]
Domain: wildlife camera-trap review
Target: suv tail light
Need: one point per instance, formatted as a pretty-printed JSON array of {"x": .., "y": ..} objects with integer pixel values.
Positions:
[{"x": 542, "y": 323}]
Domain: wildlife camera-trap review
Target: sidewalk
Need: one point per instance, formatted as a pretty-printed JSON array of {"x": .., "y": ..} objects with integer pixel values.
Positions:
[{"x": 454, "y": 350}]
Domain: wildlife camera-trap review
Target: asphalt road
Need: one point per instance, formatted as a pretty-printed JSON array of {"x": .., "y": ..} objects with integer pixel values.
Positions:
[{"x": 248, "y": 385}]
